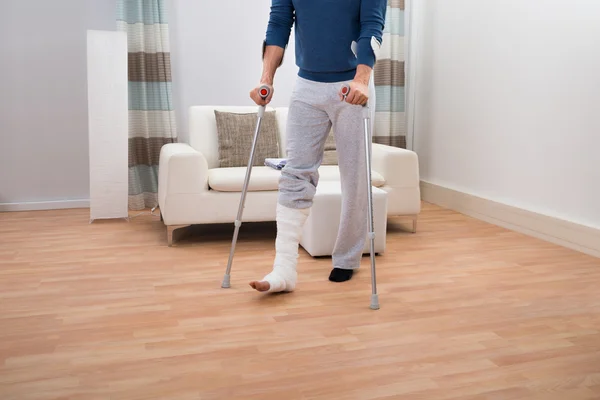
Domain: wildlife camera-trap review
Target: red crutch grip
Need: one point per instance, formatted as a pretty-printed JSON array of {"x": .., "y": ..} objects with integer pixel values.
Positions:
[
  {"x": 264, "y": 91},
  {"x": 345, "y": 90}
]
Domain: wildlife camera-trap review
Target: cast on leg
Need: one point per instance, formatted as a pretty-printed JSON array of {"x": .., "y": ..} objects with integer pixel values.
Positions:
[{"x": 284, "y": 275}]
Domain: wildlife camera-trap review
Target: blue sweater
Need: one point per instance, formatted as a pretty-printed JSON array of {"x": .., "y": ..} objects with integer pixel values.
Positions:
[{"x": 324, "y": 32}]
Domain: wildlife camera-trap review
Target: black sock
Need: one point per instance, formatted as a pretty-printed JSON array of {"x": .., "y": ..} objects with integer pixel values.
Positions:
[{"x": 340, "y": 275}]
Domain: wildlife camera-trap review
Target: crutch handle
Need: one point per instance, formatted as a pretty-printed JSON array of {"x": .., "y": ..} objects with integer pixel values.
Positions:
[
  {"x": 264, "y": 91},
  {"x": 345, "y": 90}
]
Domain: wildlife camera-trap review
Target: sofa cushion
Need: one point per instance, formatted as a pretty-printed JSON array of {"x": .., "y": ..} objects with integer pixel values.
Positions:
[
  {"x": 332, "y": 173},
  {"x": 235, "y": 133},
  {"x": 266, "y": 178}
]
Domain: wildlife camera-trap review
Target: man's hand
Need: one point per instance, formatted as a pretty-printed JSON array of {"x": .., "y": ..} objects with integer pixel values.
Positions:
[
  {"x": 359, "y": 93},
  {"x": 255, "y": 96},
  {"x": 359, "y": 87}
]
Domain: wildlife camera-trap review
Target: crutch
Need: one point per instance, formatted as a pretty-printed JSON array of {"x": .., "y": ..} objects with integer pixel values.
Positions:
[
  {"x": 371, "y": 234},
  {"x": 264, "y": 92}
]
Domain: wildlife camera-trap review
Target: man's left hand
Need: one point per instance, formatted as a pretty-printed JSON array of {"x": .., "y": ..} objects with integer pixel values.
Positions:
[{"x": 359, "y": 93}]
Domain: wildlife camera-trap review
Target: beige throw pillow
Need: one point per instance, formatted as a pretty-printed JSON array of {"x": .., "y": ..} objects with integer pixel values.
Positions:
[{"x": 236, "y": 133}]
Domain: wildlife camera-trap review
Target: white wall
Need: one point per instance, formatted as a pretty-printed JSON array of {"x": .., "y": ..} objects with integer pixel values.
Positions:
[
  {"x": 43, "y": 97},
  {"x": 508, "y": 102},
  {"x": 216, "y": 54}
]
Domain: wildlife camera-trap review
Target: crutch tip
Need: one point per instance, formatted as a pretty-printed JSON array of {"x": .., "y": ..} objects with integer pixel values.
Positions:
[
  {"x": 226, "y": 282},
  {"x": 374, "y": 302}
]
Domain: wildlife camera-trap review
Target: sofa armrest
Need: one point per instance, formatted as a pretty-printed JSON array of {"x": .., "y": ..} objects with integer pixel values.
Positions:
[
  {"x": 399, "y": 167},
  {"x": 182, "y": 170}
]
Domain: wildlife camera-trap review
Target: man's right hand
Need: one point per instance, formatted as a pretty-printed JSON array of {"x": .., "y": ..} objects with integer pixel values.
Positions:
[{"x": 255, "y": 96}]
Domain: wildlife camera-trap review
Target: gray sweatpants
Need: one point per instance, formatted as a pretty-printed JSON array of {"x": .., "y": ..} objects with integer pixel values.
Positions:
[{"x": 314, "y": 108}]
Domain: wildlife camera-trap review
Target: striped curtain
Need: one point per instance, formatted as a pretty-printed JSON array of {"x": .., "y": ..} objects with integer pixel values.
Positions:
[
  {"x": 151, "y": 113},
  {"x": 390, "y": 119}
]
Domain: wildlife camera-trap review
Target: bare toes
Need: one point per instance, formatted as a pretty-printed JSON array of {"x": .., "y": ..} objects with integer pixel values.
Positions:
[{"x": 260, "y": 286}]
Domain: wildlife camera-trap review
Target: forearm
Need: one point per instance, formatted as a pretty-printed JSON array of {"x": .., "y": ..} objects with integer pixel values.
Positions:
[
  {"x": 363, "y": 74},
  {"x": 271, "y": 61},
  {"x": 278, "y": 34}
]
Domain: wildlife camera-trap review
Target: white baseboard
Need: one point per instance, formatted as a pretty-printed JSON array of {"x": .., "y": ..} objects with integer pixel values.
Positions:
[
  {"x": 45, "y": 205},
  {"x": 564, "y": 233}
]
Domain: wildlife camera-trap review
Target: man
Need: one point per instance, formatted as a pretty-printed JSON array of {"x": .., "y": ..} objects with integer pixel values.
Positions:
[{"x": 336, "y": 43}]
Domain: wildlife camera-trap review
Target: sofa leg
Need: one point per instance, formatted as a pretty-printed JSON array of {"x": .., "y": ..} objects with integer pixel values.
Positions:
[
  {"x": 170, "y": 230},
  {"x": 414, "y": 224}
]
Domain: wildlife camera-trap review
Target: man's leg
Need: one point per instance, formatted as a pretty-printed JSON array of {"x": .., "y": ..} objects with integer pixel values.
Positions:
[
  {"x": 350, "y": 143},
  {"x": 307, "y": 129}
]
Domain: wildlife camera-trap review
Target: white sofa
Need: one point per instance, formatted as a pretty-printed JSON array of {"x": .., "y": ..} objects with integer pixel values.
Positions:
[{"x": 192, "y": 189}]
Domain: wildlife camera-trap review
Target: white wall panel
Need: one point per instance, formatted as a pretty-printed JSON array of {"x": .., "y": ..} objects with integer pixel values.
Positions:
[{"x": 108, "y": 124}]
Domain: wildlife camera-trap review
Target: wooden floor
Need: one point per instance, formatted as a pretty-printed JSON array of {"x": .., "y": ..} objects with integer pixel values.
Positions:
[{"x": 469, "y": 311}]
